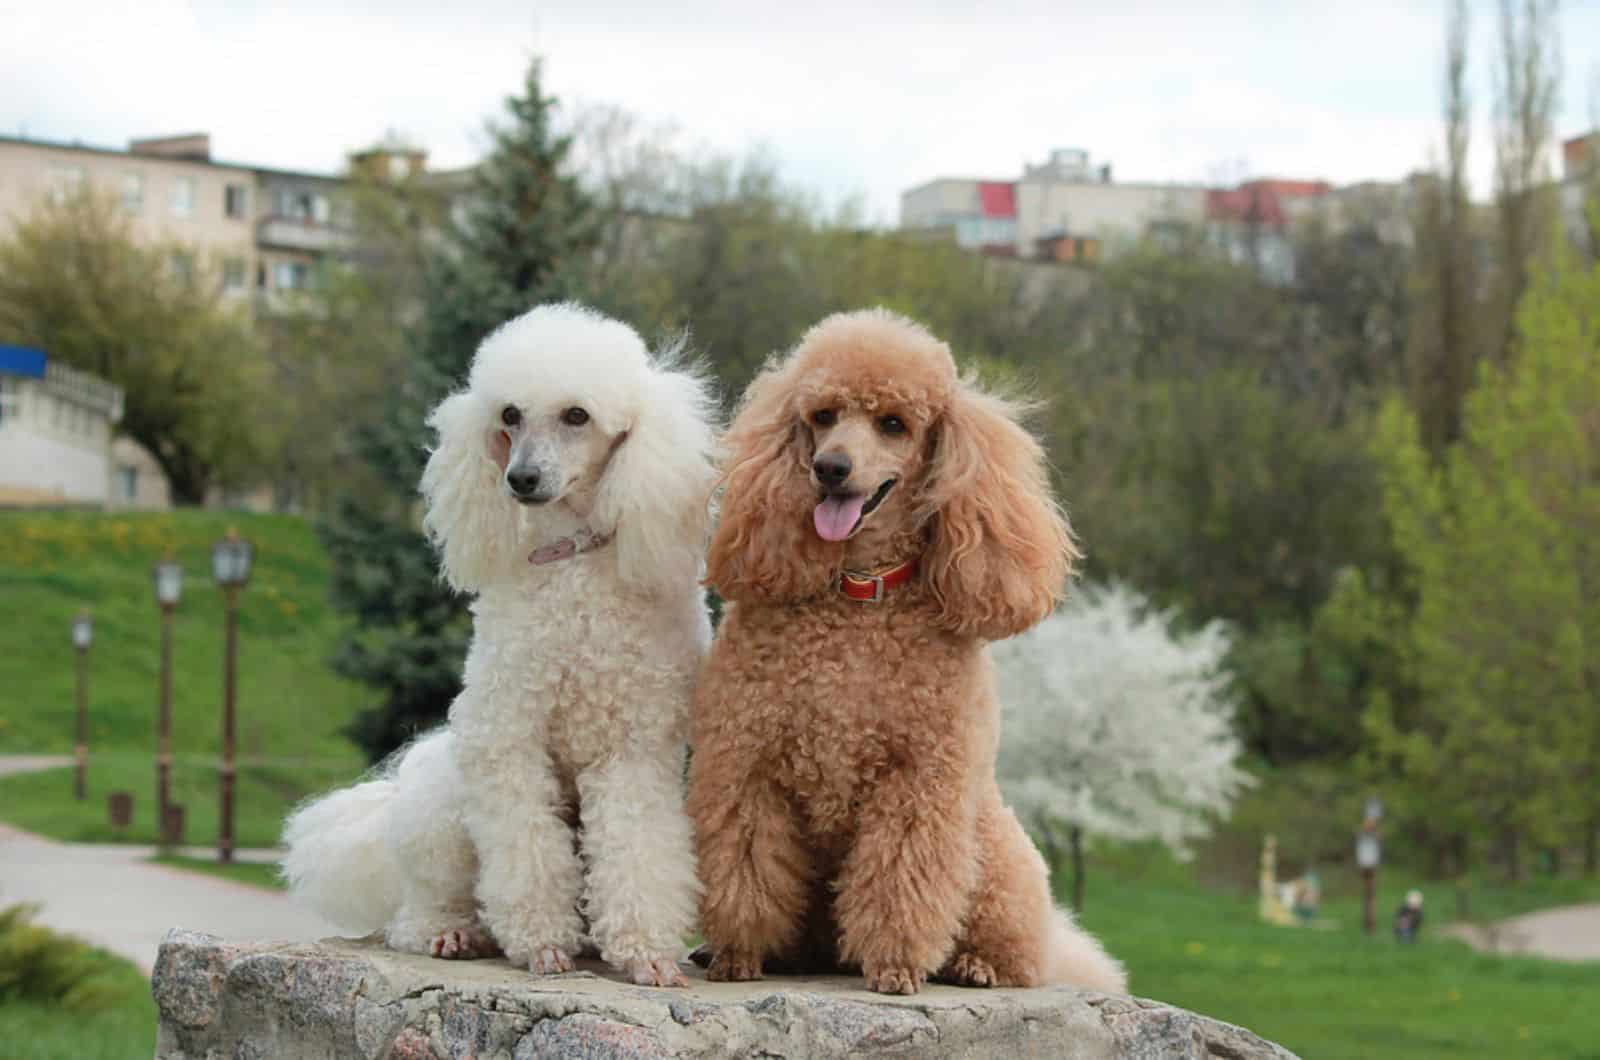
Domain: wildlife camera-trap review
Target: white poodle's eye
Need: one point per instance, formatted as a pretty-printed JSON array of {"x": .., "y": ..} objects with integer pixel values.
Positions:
[
  {"x": 511, "y": 415},
  {"x": 825, "y": 417},
  {"x": 574, "y": 417},
  {"x": 891, "y": 425}
]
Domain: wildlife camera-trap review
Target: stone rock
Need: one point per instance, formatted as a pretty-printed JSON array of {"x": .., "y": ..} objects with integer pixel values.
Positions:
[{"x": 346, "y": 998}]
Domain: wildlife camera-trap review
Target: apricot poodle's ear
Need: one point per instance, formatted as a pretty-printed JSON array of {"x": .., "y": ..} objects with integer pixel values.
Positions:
[
  {"x": 765, "y": 546},
  {"x": 1000, "y": 550},
  {"x": 471, "y": 520}
]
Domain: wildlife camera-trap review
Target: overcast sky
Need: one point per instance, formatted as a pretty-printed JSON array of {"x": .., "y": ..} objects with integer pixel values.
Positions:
[{"x": 853, "y": 99}]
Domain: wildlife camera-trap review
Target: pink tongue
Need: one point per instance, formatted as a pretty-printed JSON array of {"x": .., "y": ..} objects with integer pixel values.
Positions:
[{"x": 836, "y": 516}]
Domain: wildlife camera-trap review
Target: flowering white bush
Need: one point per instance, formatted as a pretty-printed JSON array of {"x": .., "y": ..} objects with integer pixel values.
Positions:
[{"x": 1115, "y": 725}]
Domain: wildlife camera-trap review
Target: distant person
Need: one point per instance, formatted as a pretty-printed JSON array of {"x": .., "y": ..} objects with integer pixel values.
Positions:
[
  {"x": 1408, "y": 918},
  {"x": 1307, "y": 897}
]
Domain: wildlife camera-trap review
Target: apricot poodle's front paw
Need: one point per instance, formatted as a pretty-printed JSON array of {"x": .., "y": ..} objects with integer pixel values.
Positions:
[
  {"x": 968, "y": 969},
  {"x": 463, "y": 944},
  {"x": 889, "y": 980},
  {"x": 549, "y": 960},
  {"x": 654, "y": 971},
  {"x": 730, "y": 967}
]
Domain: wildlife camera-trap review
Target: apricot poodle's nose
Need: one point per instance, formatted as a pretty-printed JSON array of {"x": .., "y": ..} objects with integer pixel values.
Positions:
[
  {"x": 523, "y": 482},
  {"x": 832, "y": 468}
]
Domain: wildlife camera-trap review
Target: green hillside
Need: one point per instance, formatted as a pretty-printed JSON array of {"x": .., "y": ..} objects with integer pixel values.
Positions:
[{"x": 290, "y": 703}]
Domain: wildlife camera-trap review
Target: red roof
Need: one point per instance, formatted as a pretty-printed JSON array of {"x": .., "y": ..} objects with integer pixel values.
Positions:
[
  {"x": 1260, "y": 201},
  {"x": 997, "y": 198}
]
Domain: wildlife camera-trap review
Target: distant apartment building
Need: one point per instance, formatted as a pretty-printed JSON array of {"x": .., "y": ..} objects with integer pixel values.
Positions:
[
  {"x": 1069, "y": 210},
  {"x": 1580, "y": 186},
  {"x": 260, "y": 231},
  {"x": 1063, "y": 209}
]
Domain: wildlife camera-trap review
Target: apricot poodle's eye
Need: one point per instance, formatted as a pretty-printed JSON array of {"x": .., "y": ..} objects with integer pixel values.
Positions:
[
  {"x": 825, "y": 417},
  {"x": 575, "y": 417},
  {"x": 511, "y": 415},
  {"x": 891, "y": 425}
]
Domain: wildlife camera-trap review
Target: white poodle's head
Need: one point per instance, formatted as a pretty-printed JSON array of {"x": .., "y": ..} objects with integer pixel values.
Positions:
[{"x": 567, "y": 420}]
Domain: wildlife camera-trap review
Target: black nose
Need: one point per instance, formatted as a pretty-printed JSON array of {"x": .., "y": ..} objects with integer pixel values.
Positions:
[
  {"x": 523, "y": 483},
  {"x": 832, "y": 468}
]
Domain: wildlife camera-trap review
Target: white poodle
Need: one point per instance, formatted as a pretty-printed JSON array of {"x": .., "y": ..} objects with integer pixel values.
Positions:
[{"x": 569, "y": 492}]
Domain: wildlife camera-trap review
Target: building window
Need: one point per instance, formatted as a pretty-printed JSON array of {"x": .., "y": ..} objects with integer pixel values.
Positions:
[
  {"x": 183, "y": 197},
  {"x": 133, "y": 193},
  {"x": 233, "y": 273},
  {"x": 65, "y": 182},
  {"x": 291, "y": 276},
  {"x": 127, "y": 482},
  {"x": 319, "y": 209},
  {"x": 236, "y": 200},
  {"x": 182, "y": 263}
]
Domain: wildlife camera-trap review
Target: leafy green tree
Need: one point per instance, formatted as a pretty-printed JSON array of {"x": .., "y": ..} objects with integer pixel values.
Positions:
[
  {"x": 76, "y": 282},
  {"x": 1505, "y": 636},
  {"x": 525, "y": 236},
  {"x": 336, "y": 349}
]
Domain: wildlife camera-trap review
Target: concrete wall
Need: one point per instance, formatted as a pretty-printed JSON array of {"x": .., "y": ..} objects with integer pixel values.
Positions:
[
  {"x": 939, "y": 202},
  {"x": 1110, "y": 212},
  {"x": 137, "y": 481},
  {"x": 52, "y": 449}
]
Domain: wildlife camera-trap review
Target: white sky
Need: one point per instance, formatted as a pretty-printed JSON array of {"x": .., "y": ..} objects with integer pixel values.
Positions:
[{"x": 854, "y": 99}]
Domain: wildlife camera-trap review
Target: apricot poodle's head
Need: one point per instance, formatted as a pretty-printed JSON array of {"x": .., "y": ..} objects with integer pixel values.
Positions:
[{"x": 864, "y": 447}]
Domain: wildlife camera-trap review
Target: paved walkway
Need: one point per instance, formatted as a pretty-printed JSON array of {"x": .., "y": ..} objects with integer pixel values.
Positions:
[
  {"x": 111, "y": 896},
  {"x": 10, "y": 764},
  {"x": 1568, "y": 933}
]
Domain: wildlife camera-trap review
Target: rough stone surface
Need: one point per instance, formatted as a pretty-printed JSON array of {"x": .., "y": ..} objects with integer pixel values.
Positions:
[{"x": 343, "y": 998}]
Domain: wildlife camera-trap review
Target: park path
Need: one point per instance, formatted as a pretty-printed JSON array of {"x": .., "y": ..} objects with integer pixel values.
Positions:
[
  {"x": 1567, "y": 933},
  {"x": 112, "y": 897},
  {"x": 10, "y": 764}
]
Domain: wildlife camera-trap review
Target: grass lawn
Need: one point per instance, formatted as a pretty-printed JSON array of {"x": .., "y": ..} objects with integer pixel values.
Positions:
[
  {"x": 252, "y": 872},
  {"x": 31, "y": 1030},
  {"x": 1337, "y": 994},
  {"x": 52, "y": 564},
  {"x": 61, "y": 998},
  {"x": 43, "y": 803}
]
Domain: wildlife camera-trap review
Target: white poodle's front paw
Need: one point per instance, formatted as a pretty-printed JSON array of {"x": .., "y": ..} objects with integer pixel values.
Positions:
[
  {"x": 549, "y": 960},
  {"x": 463, "y": 944},
  {"x": 654, "y": 971}
]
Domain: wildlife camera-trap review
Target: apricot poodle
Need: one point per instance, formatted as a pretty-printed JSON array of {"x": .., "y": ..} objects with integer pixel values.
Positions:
[{"x": 882, "y": 519}]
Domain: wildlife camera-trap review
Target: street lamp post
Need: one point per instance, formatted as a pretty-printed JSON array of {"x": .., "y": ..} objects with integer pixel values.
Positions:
[
  {"x": 169, "y": 586},
  {"x": 82, "y": 637},
  {"x": 1369, "y": 851},
  {"x": 230, "y": 565}
]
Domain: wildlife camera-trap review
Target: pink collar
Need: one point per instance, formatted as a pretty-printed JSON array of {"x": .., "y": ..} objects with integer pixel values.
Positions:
[{"x": 585, "y": 540}]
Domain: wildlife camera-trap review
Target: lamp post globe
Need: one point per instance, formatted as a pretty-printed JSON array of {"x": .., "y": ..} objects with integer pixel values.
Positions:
[
  {"x": 82, "y": 631},
  {"x": 168, "y": 576}
]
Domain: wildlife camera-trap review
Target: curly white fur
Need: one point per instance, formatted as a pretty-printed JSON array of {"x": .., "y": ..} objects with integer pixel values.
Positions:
[{"x": 551, "y": 808}]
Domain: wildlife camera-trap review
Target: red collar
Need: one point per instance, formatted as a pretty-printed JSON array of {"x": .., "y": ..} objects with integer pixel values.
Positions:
[{"x": 870, "y": 588}]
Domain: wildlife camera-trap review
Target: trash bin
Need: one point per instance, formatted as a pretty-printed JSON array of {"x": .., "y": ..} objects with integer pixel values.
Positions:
[
  {"x": 172, "y": 826},
  {"x": 121, "y": 805}
]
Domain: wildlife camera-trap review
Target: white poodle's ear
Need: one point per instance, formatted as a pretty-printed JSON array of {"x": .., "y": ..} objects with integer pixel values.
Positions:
[
  {"x": 656, "y": 491},
  {"x": 473, "y": 522}
]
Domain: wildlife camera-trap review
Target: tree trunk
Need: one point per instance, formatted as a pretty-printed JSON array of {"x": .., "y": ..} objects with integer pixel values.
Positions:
[
  {"x": 1512, "y": 850},
  {"x": 1075, "y": 839}
]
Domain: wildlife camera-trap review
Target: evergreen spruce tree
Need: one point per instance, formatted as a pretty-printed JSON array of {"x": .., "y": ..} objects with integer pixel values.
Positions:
[{"x": 524, "y": 236}]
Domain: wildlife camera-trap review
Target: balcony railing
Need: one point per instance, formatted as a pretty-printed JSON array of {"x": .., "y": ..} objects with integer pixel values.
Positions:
[{"x": 295, "y": 234}]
